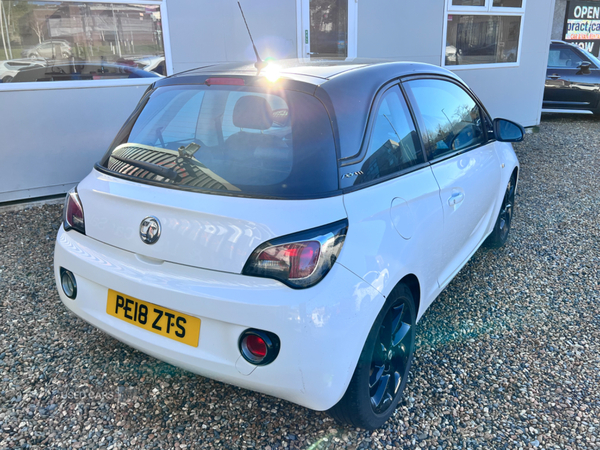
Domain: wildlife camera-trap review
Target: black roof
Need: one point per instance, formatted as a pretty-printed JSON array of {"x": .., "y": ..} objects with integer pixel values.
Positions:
[
  {"x": 319, "y": 70},
  {"x": 347, "y": 88}
]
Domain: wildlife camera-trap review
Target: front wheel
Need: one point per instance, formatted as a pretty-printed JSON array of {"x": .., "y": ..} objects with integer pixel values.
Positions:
[
  {"x": 382, "y": 370},
  {"x": 499, "y": 235}
]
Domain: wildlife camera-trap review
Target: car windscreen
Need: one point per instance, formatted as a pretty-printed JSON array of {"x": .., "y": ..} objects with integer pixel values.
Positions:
[{"x": 229, "y": 140}]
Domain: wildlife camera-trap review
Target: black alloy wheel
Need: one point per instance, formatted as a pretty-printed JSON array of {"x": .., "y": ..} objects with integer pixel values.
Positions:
[
  {"x": 391, "y": 355},
  {"x": 382, "y": 370},
  {"x": 499, "y": 235}
]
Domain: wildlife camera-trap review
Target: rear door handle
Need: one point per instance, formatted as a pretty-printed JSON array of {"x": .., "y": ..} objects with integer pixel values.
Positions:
[
  {"x": 554, "y": 77},
  {"x": 456, "y": 198}
]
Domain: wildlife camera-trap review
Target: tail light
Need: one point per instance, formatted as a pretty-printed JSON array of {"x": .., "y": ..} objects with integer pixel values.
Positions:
[
  {"x": 73, "y": 219},
  {"x": 299, "y": 260}
]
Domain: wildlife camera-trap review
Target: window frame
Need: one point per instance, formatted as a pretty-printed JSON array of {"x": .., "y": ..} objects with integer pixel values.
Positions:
[
  {"x": 345, "y": 164},
  {"x": 37, "y": 86},
  {"x": 421, "y": 124},
  {"x": 487, "y": 10}
]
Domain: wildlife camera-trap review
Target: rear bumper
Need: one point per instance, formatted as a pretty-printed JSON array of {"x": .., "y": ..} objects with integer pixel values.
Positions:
[{"x": 322, "y": 329}]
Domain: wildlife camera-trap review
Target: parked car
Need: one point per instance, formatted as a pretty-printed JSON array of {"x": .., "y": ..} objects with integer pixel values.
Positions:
[
  {"x": 572, "y": 80},
  {"x": 154, "y": 64},
  {"x": 283, "y": 231},
  {"x": 53, "y": 49},
  {"x": 10, "y": 68}
]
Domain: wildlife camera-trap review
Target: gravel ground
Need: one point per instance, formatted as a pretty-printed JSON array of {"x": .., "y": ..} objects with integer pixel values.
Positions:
[{"x": 508, "y": 356}]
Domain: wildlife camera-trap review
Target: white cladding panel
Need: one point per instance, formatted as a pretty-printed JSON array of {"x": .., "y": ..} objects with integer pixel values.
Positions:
[
  {"x": 409, "y": 31},
  {"x": 213, "y": 31},
  {"x": 52, "y": 138}
]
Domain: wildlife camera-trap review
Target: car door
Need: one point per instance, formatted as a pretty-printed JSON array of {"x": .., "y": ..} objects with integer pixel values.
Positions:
[
  {"x": 567, "y": 85},
  {"x": 464, "y": 163},
  {"x": 392, "y": 201}
]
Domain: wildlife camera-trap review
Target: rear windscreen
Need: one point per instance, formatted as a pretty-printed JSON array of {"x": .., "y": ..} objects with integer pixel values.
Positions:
[{"x": 228, "y": 139}]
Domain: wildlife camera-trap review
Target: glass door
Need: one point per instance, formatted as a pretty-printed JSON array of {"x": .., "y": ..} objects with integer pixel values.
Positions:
[{"x": 327, "y": 29}]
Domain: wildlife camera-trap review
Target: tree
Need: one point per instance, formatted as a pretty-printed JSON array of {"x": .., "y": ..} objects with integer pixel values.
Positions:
[{"x": 37, "y": 26}]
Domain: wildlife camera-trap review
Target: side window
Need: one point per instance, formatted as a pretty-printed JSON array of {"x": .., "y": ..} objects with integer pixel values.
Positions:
[
  {"x": 394, "y": 144},
  {"x": 563, "y": 57},
  {"x": 452, "y": 119}
]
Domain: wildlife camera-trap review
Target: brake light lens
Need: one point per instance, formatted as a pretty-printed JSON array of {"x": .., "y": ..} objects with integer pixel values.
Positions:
[
  {"x": 73, "y": 214},
  {"x": 225, "y": 81},
  {"x": 299, "y": 260}
]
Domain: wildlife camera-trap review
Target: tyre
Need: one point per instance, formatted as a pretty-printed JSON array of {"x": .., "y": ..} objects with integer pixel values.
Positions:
[
  {"x": 499, "y": 235},
  {"x": 382, "y": 370}
]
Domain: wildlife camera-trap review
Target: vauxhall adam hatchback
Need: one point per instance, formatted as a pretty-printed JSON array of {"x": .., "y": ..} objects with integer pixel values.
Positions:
[{"x": 285, "y": 231}]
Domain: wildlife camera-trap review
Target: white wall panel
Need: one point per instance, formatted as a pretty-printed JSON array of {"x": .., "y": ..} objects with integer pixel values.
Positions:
[
  {"x": 204, "y": 31},
  {"x": 50, "y": 139}
]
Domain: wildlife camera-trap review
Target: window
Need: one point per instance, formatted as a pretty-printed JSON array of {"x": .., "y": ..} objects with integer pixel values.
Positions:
[
  {"x": 217, "y": 139},
  {"x": 563, "y": 57},
  {"x": 508, "y": 3},
  {"x": 483, "y": 32},
  {"x": 393, "y": 144},
  {"x": 452, "y": 119},
  {"x": 74, "y": 41},
  {"x": 468, "y": 2}
]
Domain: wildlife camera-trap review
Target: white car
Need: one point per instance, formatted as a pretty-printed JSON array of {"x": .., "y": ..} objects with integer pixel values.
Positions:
[
  {"x": 9, "y": 69},
  {"x": 283, "y": 231}
]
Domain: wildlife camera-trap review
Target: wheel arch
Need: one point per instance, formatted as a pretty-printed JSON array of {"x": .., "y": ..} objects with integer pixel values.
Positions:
[
  {"x": 515, "y": 173},
  {"x": 412, "y": 282}
]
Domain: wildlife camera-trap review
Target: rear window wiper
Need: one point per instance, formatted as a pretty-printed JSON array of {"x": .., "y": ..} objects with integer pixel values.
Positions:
[{"x": 150, "y": 167}]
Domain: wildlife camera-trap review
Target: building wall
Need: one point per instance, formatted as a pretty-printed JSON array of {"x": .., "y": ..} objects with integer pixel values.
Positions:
[
  {"x": 558, "y": 24},
  {"x": 51, "y": 138},
  {"x": 516, "y": 93},
  {"x": 407, "y": 30},
  {"x": 414, "y": 31},
  {"x": 213, "y": 31}
]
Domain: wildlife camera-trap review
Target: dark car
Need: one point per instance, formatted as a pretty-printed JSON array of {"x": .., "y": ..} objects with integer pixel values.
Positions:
[{"x": 572, "y": 80}]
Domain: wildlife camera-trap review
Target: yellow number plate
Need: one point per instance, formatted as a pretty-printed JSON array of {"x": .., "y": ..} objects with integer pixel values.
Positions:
[{"x": 159, "y": 320}]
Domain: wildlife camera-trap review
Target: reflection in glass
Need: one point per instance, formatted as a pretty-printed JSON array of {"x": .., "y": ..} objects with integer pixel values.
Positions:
[
  {"x": 329, "y": 28},
  {"x": 452, "y": 118},
  {"x": 482, "y": 39},
  {"x": 393, "y": 145},
  {"x": 508, "y": 3},
  {"x": 509, "y": 131},
  {"x": 468, "y": 2},
  {"x": 563, "y": 57},
  {"x": 59, "y": 41}
]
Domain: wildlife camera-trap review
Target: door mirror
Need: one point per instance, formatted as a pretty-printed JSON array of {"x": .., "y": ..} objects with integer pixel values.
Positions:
[
  {"x": 507, "y": 131},
  {"x": 584, "y": 67}
]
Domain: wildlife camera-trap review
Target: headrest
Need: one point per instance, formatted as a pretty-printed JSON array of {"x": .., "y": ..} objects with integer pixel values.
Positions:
[{"x": 253, "y": 112}]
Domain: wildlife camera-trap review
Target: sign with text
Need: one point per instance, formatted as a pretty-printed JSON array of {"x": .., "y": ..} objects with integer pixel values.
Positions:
[{"x": 582, "y": 25}]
